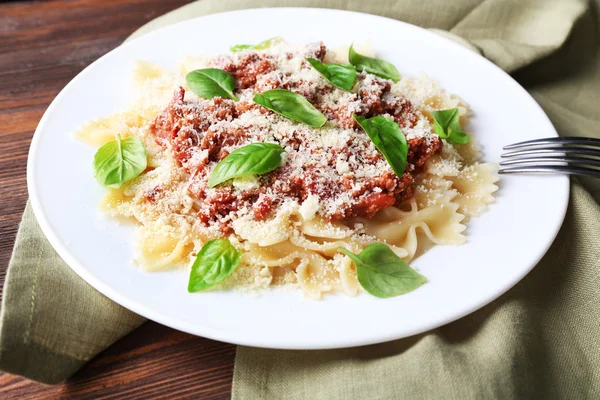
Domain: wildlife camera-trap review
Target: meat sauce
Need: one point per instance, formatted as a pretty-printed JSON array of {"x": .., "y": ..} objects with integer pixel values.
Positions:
[{"x": 185, "y": 126}]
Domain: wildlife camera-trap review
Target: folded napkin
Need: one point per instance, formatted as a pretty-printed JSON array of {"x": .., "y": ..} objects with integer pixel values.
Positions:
[{"x": 540, "y": 340}]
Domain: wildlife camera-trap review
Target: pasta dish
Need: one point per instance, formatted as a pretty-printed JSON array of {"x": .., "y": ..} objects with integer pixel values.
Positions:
[{"x": 294, "y": 165}]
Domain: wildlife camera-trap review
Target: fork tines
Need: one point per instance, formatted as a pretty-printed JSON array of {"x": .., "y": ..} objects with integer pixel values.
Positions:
[{"x": 574, "y": 155}]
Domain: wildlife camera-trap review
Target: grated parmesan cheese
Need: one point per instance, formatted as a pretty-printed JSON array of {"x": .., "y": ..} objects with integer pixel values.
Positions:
[{"x": 310, "y": 207}]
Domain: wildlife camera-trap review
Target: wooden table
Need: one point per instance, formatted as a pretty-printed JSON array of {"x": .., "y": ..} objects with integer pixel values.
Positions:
[{"x": 43, "y": 45}]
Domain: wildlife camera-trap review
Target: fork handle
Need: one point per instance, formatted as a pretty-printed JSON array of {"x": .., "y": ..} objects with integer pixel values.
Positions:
[{"x": 546, "y": 169}]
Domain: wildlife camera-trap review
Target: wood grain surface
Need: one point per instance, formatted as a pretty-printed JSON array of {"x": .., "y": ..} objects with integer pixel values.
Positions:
[{"x": 43, "y": 45}]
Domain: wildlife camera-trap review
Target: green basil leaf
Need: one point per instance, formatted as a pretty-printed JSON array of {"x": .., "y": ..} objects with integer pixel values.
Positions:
[
  {"x": 253, "y": 159},
  {"x": 342, "y": 76},
  {"x": 211, "y": 82},
  {"x": 119, "y": 161},
  {"x": 260, "y": 46},
  {"x": 447, "y": 125},
  {"x": 216, "y": 261},
  {"x": 373, "y": 66},
  {"x": 387, "y": 136},
  {"x": 291, "y": 105},
  {"x": 382, "y": 273}
]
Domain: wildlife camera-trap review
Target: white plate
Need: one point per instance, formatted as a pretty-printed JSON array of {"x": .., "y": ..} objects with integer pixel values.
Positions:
[{"x": 503, "y": 245}]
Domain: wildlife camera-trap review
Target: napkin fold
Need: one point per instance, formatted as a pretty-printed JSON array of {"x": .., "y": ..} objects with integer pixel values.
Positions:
[
  {"x": 52, "y": 322},
  {"x": 541, "y": 339}
]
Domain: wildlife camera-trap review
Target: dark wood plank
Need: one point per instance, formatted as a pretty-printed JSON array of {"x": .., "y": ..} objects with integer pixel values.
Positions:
[{"x": 43, "y": 45}]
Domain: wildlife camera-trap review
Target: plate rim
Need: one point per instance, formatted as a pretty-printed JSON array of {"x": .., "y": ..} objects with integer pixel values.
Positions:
[{"x": 224, "y": 335}]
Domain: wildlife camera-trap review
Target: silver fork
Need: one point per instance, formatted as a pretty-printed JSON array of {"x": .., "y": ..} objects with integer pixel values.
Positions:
[{"x": 566, "y": 155}]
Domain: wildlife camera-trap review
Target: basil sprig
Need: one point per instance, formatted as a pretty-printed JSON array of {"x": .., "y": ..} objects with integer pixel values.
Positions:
[
  {"x": 260, "y": 46},
  {"x": 253, "y": 159},
  {"x": 119, "y": 161},
  {"x": 216, "y": 261},
  {"x": 211, "y": 82},
  {"x": 387, "y": 136},
  {"x": 341, "y": 75},
  {"x": 382, "y": 273},
  {"x": 291, "y": 105},
  {"x": 373, "y": 66},
  {"x": 447, "y": 126}
]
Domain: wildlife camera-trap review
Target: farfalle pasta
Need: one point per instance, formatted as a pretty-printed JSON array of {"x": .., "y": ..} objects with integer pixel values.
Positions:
[{"x": 333, "y": 188}]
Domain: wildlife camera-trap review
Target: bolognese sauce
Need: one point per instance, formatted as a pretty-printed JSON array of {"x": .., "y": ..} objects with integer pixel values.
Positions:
[{"x": 337, "y": 165}]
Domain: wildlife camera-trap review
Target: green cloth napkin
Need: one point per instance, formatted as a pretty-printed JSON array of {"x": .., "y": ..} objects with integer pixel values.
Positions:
[{"x": 540, "y": 340}]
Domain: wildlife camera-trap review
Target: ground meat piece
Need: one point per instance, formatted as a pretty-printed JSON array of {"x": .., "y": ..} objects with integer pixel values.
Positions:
[
  {"x": 215, "y": 206},
  {"x": 376, "y": 98},
  {"x": 421, "y": 149},
  {"x": 342, "y": 114},
  {"x": 246, "y": 67},
  {"x": 221, "y": 109},
  {"x": 317, "y": 51},
  {"x": 213, "y": 142},
  {"x": 183, "y": 140},
  {"x": 263, "y": 207},
  {"x": 347, "y": 121},
  {"x": 243, "y": 106},
  {"x": 282, "y": 181},
  {"x": 269, "y": 81},
  {"x": 378, "y": 193},
  {"x": 402, "y": 111},
  {"x": 163, "y": 124},
  {"x": 152, "y": 195},
  {"x": 184, "y": 125},
  {"x": 371, "y": 94}
]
